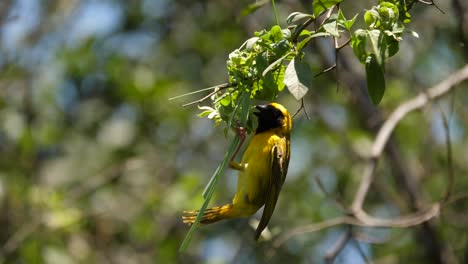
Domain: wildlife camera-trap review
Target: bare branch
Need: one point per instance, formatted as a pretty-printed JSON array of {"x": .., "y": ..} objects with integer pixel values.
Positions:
[
  {"x": 310, "y": 228},
  {"x": 338, "y": 247},
  {"x": 302, "y": 108},
  {"x": 457, "y": 197},
  {"x": 408, "y": 220},
  {"x": 387, "y": 128},
  {"x": 359, "y": 217},
  {"x": 360, "y": 250},
  {"x": 326, "y": 70},
  {"x": 301, "y": 28},
  {"x": 432, "y": 3},
  {"x": 364, "y": 185},
  {"x": 450, "y": 174},
  {"x": 362, "y": 219},
  {"x": 335, "y": 198},
  {"x": 414, "y": 104}
]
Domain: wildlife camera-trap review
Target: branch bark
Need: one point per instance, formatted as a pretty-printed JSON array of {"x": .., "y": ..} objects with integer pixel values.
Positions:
[
  {"x": 358, "y": 216},
  {"x": 388, "y": 127}
]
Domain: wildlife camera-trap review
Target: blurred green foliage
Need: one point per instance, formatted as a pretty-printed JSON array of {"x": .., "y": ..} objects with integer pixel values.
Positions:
[{"x": 96, "y": 165}]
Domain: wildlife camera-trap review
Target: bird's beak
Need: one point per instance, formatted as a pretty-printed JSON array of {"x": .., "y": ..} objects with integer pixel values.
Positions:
[{"x": 260, "y": 108}]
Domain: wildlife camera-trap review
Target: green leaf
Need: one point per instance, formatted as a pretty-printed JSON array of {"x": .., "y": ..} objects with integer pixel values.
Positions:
[
  {"x": 331, "y": 27},
  {"x": 276, "y": 33},
  {"x": 268, "y": 87},
  {"x": 375, "y": 79},
  {"x": 392, "y": 46},
  {"x": 286, "y": 33},
  {"x": 388, "y": 12},
  {"x": 377, "y": 48},
  {"x": 298, "y": 78},
  {"x": 342, "y": 21},
  {"x": 279, "y": 49},
  {"x": 296, "y": 16},
  {"x": 253, "y": 7},
  {"x": 405, "y": 17},
  {"x": 319, "y": 6},
  {"x": 274, "y": 64},
  {"x": 306, "y": 40},
  {"x": 249, "y": 44},
  {"x": 349, "y": 23},
  {"x": 305, "y": 33},
  {"x": 372, "y": 18},
  {"x": 359, "y": 43}
]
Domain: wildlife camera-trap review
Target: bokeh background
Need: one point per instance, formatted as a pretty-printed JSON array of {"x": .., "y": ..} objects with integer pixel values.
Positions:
[{"x": 96, "y": 164}]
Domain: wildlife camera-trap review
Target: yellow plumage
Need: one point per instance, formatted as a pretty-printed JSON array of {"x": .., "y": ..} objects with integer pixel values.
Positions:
[{"x": 262, "y": 170}]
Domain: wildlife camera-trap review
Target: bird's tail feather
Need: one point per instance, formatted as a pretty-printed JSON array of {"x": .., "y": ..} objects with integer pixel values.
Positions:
[{"x": 211, "y": 215}]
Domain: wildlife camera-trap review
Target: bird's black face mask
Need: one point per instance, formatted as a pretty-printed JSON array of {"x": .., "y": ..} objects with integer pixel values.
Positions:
[{"x": 269, "y": 117}]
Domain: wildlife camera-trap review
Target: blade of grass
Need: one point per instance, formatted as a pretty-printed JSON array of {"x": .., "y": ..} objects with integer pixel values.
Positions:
[
  {"x": 208, "y": 193},
  {"x": 275, "y": 11},
  {"x": 195, "y": 92},
  {"x": 211, "y": 186}
]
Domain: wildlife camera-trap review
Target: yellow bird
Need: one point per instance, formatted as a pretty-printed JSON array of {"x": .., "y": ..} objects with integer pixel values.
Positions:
[{"x": 262, "y": 170}]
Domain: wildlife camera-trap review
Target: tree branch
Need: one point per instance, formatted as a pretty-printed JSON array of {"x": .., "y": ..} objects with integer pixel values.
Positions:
[
  {"x": 388, "y": 127},
  {"x": 359, "y": 217}
]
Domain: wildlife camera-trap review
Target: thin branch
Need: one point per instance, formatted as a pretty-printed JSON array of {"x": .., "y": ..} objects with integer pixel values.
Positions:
[
  {"x": 309, "y": 21},
  {"x": 301, "y": 28},
  {"x": 387, "y": 128},
  {"x": 359, "y": 217},
  {"x": 431, "y": 3},
  {"x": 335, "y": 40},
  {"x": 450, "y": 174},
  {"x": 302, "y": 108},
  {"x": 360, "y": 250},
  {"x": 327, "y": 15},
  {"x": 344, "y": 44},
  {"x": 412, "y": 219},
  {"x": 337, "y": 48},
  {"x": 285, "y": 236},
  {"x": 338, "y": 246},
  {"x": 361, "y": 237},
  {"x": 364, "y": 185},
  {"x": 416, "y": 103},
  {"x": 326, "y": 70},
  {"x": 335, "y": 198},
  {"x": 455, "y": 198},
  {"x": 362, "y": 219}
]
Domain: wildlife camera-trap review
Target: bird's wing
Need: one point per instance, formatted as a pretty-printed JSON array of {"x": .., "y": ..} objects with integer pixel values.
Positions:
[{"x": 279, "y": 167}]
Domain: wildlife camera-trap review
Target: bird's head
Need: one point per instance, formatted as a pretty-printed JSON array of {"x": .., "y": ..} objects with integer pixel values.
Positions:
[{"x": 273, "y": 116}]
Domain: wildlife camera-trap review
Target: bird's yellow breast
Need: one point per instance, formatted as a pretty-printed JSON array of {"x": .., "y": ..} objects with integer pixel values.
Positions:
[{"x": 254, "y": 180}]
